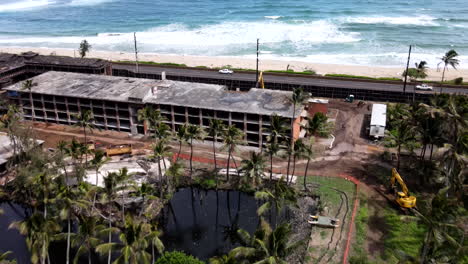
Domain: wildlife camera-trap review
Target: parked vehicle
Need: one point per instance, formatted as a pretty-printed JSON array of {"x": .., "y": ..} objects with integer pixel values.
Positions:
[
  {"x": 226, "y": 71},
  {"x": 378, "y": 121},
  {"x": 424, "y": 87}
]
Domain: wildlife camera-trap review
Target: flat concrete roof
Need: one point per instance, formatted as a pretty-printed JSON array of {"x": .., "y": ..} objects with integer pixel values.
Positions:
[
  {"x": 165, "y": 92},
  {"x": 6, "y": 147}
]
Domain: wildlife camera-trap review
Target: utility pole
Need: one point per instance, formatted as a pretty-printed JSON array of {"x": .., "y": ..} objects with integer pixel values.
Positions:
[
  {"x": 256, "y": 75},
  {"x": 406, "y": 72},
  {"x": 136, "y": 52}
]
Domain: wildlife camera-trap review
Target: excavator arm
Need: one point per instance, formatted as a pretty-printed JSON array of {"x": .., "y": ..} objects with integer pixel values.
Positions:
[{"x": 403, "y": 198}]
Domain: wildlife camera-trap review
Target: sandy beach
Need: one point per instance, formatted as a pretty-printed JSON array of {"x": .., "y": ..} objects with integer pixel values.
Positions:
[{"x": 246, "y": 63}]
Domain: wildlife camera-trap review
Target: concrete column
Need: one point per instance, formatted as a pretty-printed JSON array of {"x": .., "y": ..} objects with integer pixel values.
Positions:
[
  {"x": 260, "y": 128},
  {"x": 201, "y": 117},
  {"x": 68, "y": 111},
  {"x": 43, "y": 109},
  {"x": 104, "y": 115},
  {"x": 173, "y": 119},
  {"x": 55, "y": 110},
  {"x": 133, "y": 126},
  {"x": 245, "y": 126},
  {"x": 33, "y": 112},
  {"x": 117, "y": 117}
]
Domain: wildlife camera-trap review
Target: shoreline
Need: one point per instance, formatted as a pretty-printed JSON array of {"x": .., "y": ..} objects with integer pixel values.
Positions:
[{"x": 245, "y": 63}]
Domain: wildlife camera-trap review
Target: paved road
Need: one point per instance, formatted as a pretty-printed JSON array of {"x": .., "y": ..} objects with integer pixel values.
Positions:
[{"x": 282, "y": 79}]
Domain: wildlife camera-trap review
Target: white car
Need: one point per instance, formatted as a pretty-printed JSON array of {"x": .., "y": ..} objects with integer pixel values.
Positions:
[
  {"x": 226, "y": 71},
  {"x": 424, "y": 87}
]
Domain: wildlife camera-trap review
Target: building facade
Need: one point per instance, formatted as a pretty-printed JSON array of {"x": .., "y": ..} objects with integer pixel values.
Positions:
[{"x": 56, "y": 97}]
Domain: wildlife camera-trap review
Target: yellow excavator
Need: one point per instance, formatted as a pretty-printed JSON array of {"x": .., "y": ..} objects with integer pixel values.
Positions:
[{"x": 403, "y": 197}]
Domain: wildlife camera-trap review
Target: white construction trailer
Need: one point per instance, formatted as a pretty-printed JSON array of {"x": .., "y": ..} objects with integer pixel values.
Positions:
[{"x": 378, "y": 121}]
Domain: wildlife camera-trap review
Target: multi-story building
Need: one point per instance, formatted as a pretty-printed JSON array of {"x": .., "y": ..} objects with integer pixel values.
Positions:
[{"x": 56, "y": 97}]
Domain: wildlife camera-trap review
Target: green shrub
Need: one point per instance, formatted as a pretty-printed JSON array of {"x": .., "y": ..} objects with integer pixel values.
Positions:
[
  {"x": 176, "y": 257},
  {"x": 458, "y": 81}
]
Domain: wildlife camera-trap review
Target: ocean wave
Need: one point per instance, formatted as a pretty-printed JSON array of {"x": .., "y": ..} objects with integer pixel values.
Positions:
[
  {"x": 273, "y": 17},
  {"x": 24, "y": 5},
  {"x": 87, "y": 2},
  {"x": 422, "y": 20}
]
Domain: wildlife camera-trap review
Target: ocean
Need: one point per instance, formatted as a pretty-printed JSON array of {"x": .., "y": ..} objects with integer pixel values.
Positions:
[{"x": 354, "y": 32}]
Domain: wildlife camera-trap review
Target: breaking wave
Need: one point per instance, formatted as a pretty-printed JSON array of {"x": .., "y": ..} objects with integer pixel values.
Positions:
[
  {"x": 24, "y": 5},
  {"x": 422, "y": 20}
]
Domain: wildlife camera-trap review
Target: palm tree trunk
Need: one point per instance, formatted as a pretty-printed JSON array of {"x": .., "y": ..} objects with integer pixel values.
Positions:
[
  {"x": 160, "y": 178},
  {"x": 86, "y": 144},
  {"x": 191, "y": 157},
  {"x": 305, "y": 173},
  {"x": 271, "y": 166},
  {"x": 443, "y": 75},
  {"x": 432, "y": 148},
  {"x": 180, "y": 150},
  {"x": 426, "y": 247},
  {"x": 228, "y": 163},
  {"x": 294, "y": 169},
  {"x": 95, "y": 194},
  {"x": 110, "y": 241},
  {"x": 398, "y": 155},
  {"x": 68, "y": 238},
  {"x": 89, "y": 256},
  {"x": 214, "y": 158},
  {"x": 152, "y": 252},
  {"x": 287, "y": 170}
]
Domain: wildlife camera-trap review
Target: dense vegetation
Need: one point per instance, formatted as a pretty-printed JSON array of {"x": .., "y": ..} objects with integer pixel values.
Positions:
[{"x": 54, "y": 186}]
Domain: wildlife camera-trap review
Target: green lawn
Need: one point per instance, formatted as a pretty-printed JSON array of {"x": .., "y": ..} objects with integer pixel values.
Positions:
[{"x": 324, "y": 190}]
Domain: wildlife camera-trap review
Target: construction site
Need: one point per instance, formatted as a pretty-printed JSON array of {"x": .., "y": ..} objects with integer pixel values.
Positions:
[{"x": 349, "y": 169}]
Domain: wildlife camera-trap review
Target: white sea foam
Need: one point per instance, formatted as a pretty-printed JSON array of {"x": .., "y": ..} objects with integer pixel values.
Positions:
[
  {"x": 272, "y": 17},
  {"x": 87, "y": 2},
  {"x": 24, "y": 5},
  {"x": 422, "y": 20},
  {"x": 206, "y": 37}
]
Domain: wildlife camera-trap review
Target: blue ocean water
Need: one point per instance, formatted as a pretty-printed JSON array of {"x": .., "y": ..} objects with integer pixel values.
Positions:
[{"x": 362, "y": 32}]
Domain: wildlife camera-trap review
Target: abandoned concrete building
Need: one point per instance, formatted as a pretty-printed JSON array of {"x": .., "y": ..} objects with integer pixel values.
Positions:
[{"x": 56, "y": 97}]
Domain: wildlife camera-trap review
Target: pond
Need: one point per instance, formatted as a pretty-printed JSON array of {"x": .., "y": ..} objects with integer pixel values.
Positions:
[
  {"x": 202, "y": 223},
  {"x": 199, "y": 222}
]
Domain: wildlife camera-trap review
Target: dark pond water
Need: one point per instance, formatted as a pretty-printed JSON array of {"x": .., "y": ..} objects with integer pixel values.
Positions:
[
  {"x": 202, "y": 223},
  {"x": 199, "y": 222}
]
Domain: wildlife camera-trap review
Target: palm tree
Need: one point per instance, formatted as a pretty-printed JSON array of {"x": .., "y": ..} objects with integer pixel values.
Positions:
[
  {"x": 253, "y": 168},
  {"x": 162, "y": 131},
  {"x": 316, "y": 125},
  {"x": 39, "y": 232},
  {"x": 232, "y": 137},
  {"x": 193, "y": 133},
  {"x": 175, "y": 171},
  {"x": 272, "y": 150},
  {"x": 144, "y": 115},
  {"x": 421, "y": 69},
  {"x": 307, "y": 153},
  {"x": 145, "y": 191},
  {"x": 299, "y": 149},
  {"x": 450, "y": 58},
  {"x": 279, "y": 196},
  {"x": 97, "y": 162},
  {"x": 85, "y": 120},
  {"x": 134, "y": 240},
  {"x": 160, "y": 151},
  {"x": 216, "y": 128},
  {"x": 402, "y": 136},
  {"x": 68, "y": 200},
  {"x": 266, "y": 245},
  {"x": 181, "y": 136},
  {"x": 278, "y": 129},
  {"x": 153, "y": 236},
  {"x": 86, "y": 237},
  {"x": 27, "y": 85},
  {"x": 84, "y": 48},
  {"x": 298, "y": 98},
  {"x": 4, "y": 256}
]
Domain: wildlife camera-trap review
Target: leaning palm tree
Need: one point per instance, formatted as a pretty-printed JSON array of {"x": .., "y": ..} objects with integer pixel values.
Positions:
[
  {"x": 146, "y": 192},
  {"x": 155, "y": 241},
  {"x": 278, "y": 197},
  {"x": 134, "y": 240},
  {"x": 85, "y": 120},
  {"x": 307, "y": 153},
  {"x": 450, "y": 58},
  {"x": 193, "y": 133},
  {"x": 87, "y": 237},
  {"x": 182, "y": 136},
  {"x": 272, "y": 150},
  {"x": 299, "y": 149},
  {"x": 160, "y": 151},
  {"x": 216, "y": 128},
  {"x": 253, "y": 169},
  {"x": 232, "y": 137},
  {"x": 39, "y": 232}
]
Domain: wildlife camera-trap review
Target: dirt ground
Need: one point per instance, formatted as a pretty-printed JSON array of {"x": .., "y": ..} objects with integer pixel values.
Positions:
[{"x": 350, "y": 153}]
